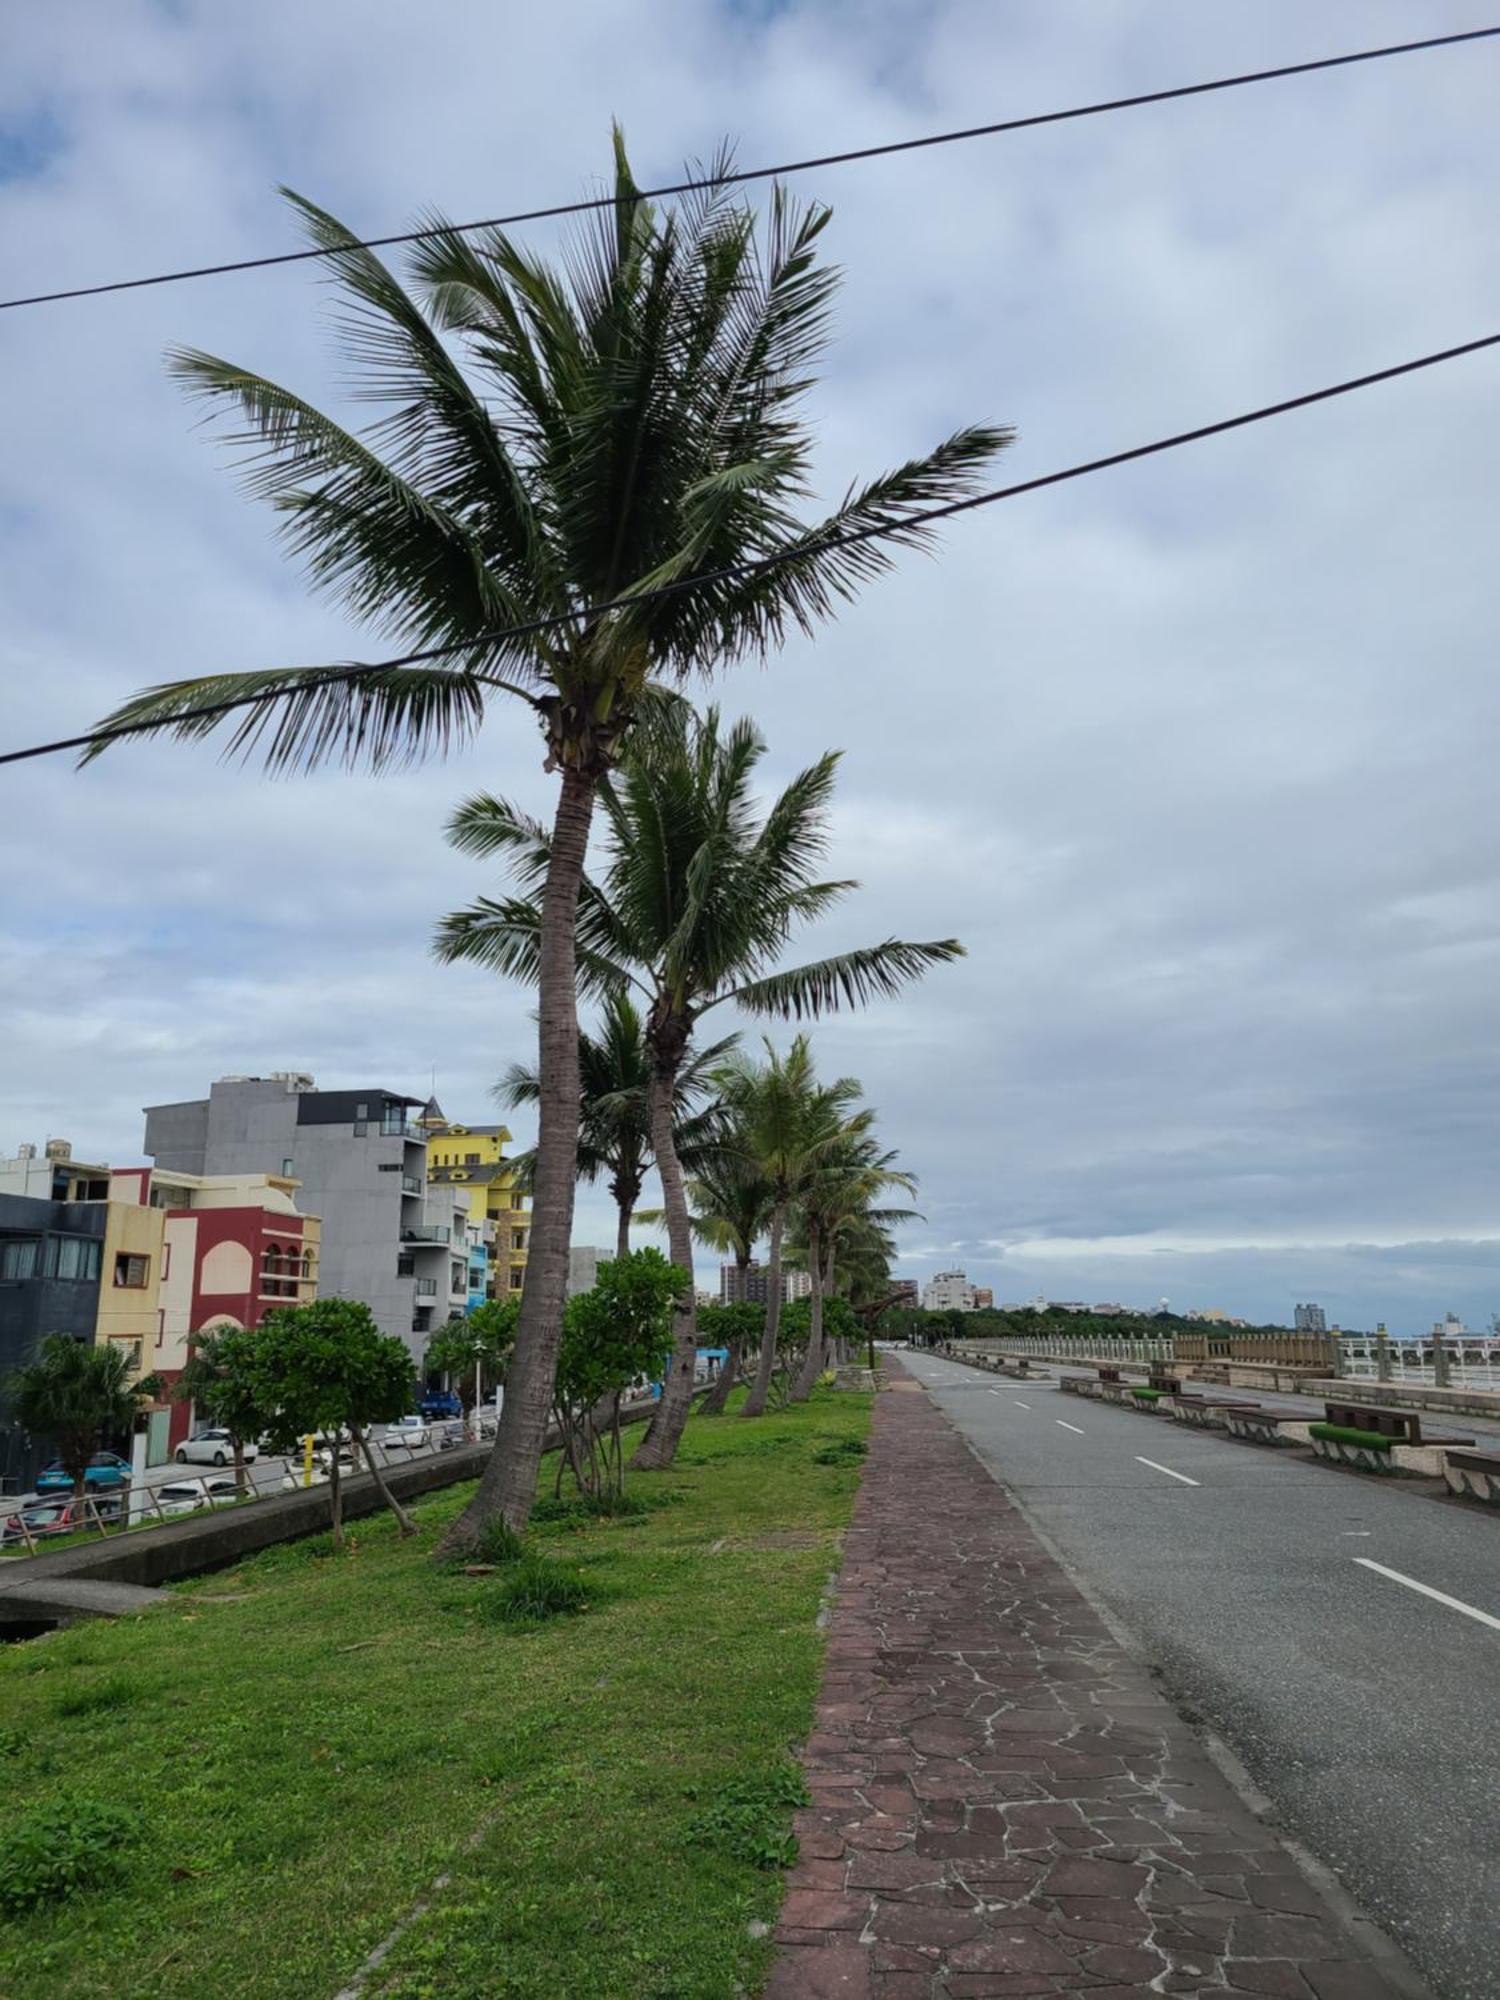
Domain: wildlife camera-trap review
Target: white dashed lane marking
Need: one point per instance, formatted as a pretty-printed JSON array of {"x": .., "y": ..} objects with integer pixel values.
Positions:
[
  {"x": 1067, "y": 1426},
  {"x": 1167, "y": 1470},
  {"x": 1426, "y": 1589}
]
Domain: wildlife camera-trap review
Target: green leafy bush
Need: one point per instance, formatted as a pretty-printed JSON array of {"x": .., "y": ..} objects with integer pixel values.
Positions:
[
  {"x": 1147, "y": 1395},
  {"x": 747, "y": 1817},
  {"x": 56, "y": 1850},
  {"x": 533, "y": 1590},
  {"x": 1342, "y": 1434},
  {"x": 843, "y": 1451}
]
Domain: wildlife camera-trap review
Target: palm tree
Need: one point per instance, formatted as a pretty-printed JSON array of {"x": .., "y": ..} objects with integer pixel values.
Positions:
[
  {"x": 839, "y": 1199},
  {"x": 623, "y": 430},
  {"x": 701, "y": 892},
  {"x": 730, "y": 1205},
  {"x": 788, "y": 1126},
  {"x": 77, "y": 1394},
  {"x": 614, "y": 1131}
]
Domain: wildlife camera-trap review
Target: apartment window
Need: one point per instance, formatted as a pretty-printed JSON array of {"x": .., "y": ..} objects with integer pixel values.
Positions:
[
  {"x": 406, "y": 1267},
  {"x": 518, "y": 1201},
  {"x": 74, "y": 1257},
  {"x": 131, "y": 1272},
  {"x": 19, "y": 1257},
  {"x": 390, "y": 1166},
  {"x": 518, "y": 1239},
  {"x": 286, "y": 1167},
  {"x": 516, "y": 1277},
  {"x": 457, "y": 1278},
  {"x": 471, "y": 1159},
  {"x": 361, "y": 1110}
]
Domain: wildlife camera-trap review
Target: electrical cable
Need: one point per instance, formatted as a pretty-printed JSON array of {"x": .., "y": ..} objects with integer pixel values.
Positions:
[{"x": 740, "y": 176}]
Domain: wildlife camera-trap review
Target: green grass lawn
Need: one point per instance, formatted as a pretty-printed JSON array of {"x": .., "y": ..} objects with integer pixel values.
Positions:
[{"x": 307, "y": 1743}]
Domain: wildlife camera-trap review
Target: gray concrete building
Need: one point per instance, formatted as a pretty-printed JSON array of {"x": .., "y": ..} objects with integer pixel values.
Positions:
[
  {"x": 362, "y": 1163},
  {"x": 51, "y": 1256}
]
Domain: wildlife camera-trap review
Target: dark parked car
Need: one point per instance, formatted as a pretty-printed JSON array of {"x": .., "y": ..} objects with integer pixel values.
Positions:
[
  {"x": 106, "y": 1471},
  {"x": 441, "y": 1403}
]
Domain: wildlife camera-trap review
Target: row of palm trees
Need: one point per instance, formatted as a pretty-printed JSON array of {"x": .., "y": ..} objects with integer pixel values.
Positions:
[
  {"x": 701, "y": 889},
  {"x": 580, "y": 488}
]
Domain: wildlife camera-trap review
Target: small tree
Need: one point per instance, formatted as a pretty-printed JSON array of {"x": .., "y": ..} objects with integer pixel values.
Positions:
[
  {"x": 327, "y": 1367},
  {"x": 616, "y": 1334},
  {"x": 221, "y": 1381},
  {"x": 75, "y": 1394},
  {"x": 738, "y": 1327},
  {"x": 477, "y": 1349}
]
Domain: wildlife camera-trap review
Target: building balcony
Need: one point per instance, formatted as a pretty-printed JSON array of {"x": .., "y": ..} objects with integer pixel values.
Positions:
[
  {"x": 411, "y": 1185},
  {"x": 423, "y": 1232}
]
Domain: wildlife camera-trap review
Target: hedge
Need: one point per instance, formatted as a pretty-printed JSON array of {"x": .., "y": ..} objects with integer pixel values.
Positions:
[{"x": 1343, "y": 1434}]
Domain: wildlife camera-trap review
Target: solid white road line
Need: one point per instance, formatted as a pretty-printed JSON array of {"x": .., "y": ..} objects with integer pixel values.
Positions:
[
  {"x": 1017, "y": 1401},
  {"x": 1441, "y": 1596},
  {"x": 1167, "y": 1470},
  {"x": 1067, "y": 1426}
]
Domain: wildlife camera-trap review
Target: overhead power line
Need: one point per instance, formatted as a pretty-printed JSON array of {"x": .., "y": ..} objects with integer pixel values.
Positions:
[
  {"x": 357, "y": 670},
  {"x": 742, "y": 175}
]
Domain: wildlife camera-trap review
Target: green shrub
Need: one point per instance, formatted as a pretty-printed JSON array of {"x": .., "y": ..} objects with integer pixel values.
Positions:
[
  {"x": 842, "y": 1451},
  {"x": 827, "y": 1379},
  {"x": 498, "y": 1542},
  {"x": 1342, "y": 1434},
  {"x": 55, "y": 1850},
  {"x": 533, "y": 1590},
  {"x": 1147, "y": 1395},
  {"x": 747, "y": 1817}
]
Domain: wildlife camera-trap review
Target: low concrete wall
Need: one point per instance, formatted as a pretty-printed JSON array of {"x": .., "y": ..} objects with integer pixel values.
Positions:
[
  {"x": 1402, "y": 1396},
  {"x": 1471, "y": 1482}
]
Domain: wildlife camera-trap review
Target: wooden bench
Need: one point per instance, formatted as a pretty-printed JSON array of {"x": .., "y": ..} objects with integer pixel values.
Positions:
[
  {"x": 1107, "y": 1374},
  {"x": 1170, "y": 1385},
  {"x": 1405, "y": 1426}
]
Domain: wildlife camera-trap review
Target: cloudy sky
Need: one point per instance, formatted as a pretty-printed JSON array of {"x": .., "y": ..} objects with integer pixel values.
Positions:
[{"x": 1195, "y": 756}]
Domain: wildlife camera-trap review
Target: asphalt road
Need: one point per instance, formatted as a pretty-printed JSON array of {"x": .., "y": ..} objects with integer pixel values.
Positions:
[{"x": 1367, "y": 1711}]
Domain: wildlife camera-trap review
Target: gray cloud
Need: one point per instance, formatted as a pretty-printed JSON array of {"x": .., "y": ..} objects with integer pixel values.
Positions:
[{"x": 1194, "y": 756}]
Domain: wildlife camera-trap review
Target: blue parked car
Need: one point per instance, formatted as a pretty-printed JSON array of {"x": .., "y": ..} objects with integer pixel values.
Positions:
[
  {"x": 441, "y": 1403},
  {"x": 105, "y": 1471}
]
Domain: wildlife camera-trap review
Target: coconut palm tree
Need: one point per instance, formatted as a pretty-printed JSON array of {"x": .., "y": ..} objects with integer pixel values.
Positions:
[
  {"x": 702, "y": 889},
  {"x": 840, "y": 1198},
  {"x": 787, "y": 1126},
  {"x": 583, "y": 484},
  {"x": 614, "y": 1131},
  {"x": 729, "y": 1206},
  {"x": 77, "y": 1394}
]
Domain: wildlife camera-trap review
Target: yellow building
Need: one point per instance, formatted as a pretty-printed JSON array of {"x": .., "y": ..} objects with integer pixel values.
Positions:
[{"x": 471, "y": 1160}]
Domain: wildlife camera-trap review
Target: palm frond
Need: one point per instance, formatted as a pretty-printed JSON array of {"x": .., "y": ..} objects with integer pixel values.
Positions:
[{"x": 851, "y": 979}]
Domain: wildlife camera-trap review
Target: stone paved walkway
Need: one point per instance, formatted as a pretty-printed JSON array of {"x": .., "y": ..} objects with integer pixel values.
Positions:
[{"x": 1002, "y": 1803}]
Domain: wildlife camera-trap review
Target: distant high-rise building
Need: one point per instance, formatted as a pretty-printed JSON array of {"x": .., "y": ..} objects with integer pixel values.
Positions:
[
  {"x": 1310, "y": 1319},
  {"x": 752, "y": 1283},
  {"x": 583, "y": 1267},
  {"x": 984, "y": 1298},
  {"x": 948, "y": 1291}
]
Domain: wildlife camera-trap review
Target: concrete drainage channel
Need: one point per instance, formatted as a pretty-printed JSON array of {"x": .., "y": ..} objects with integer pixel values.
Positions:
[{"x": 1358, "y": 1435}]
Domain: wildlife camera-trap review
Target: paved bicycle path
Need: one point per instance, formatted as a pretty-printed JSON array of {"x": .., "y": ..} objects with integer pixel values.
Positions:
[{"x": 1002, "y": 1803}]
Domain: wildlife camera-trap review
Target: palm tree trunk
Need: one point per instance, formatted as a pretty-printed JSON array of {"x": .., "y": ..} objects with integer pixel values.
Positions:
[
  {"x": 669, "y": 1419},
  {"x": 812, "y": 1361},
  {"x": 335, "y": 1495},
  {"x": 622, "y": 1230},
  {"x": 718, "y": 1396},
  {"x": 241, "y": 1470},
  {"x": 404, "y": 1521},
  {"x": 754, "y": 1404},
  {"x": 508, "y": 1488}
]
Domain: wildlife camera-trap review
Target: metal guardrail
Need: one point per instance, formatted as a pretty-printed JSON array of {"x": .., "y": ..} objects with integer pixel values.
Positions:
[{"x": 144, "y": 1509}]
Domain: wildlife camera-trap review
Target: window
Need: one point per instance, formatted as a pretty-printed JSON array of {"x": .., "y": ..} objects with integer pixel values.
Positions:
[
  {"x": 471, "y": 1159},
  {"x": 518, "y": 1201},
  {"x": 406, "y": 1266},
  {"x": 131, "y": 1272},
  {"x": 19, "y": 1257},
  {"x": 390, "y": 1166},
  {"x": 75, "y": 1257},
  {"x": 516, "y": 1277},
  {"x": 361, "y": 1110},
  {"x": 518, "y": 1239},
  {"x": 457, "y": 1278},
  {"x": 286, "y": 1167}
]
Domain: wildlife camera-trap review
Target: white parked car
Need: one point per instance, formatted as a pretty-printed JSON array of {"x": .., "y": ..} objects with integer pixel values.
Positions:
[
  {"x": 406, "y": 1434},
  {"x": 213, "y": 1446},
  {"x": 186, "y": 1496}
]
